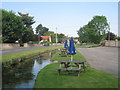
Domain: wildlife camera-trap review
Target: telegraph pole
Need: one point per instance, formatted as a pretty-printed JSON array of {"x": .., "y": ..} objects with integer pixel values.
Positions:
[
  {"x": 109, "y": 31},
  {"x": 56, "y": 36},
  {"x": 39, "y": 37},
  {"x": 109, "y": 34}
]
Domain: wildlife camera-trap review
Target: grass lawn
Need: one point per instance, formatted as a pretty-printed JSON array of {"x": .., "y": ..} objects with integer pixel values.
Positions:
[
  {"x": 77, "y": 57},
  {"x": 4, "y": 58},
  {"x": 48, "y": 77}
]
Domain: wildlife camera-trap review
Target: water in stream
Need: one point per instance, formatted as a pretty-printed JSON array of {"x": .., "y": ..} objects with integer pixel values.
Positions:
[{"x": 24, "y": 74}]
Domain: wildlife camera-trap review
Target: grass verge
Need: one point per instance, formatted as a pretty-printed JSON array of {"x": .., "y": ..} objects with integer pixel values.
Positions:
[
  {"x": 88, "y": 45},
  {"x": 26, "y": 53},
  {"x": 48, "y": 77}
]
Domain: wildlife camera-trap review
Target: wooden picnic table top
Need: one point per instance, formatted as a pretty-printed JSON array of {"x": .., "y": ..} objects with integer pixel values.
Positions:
[
  {"x": 75, "y": 69},
  {"x": 69, "y": 61}
]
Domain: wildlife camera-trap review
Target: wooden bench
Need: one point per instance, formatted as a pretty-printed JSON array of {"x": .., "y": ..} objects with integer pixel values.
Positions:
[
  {"x": 71, "y": 66},
  {"x": 79, "y": 64},
  {"x": 64, "y": 53},
  {"x": 70, "y": 69}
]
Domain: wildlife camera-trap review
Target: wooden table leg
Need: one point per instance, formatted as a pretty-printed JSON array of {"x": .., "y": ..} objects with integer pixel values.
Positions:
[
  {"x": 59, "y": 71},
  {"x": 84, "y": 67}
]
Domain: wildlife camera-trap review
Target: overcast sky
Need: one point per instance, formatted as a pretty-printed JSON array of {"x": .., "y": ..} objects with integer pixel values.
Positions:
[{"x": 68, "y": 17}]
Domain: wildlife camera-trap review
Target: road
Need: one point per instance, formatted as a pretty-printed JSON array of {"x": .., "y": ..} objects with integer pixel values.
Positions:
[
  {"x": 21, "y": 49},
  {"x": 102, "y": 58}
]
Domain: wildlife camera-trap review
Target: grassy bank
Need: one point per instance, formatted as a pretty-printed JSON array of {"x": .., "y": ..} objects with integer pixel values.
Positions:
[
  {"x": 26, "y": 53},
  {"x": 48, "y": 77},
  {"x": 88, "y": 45}
]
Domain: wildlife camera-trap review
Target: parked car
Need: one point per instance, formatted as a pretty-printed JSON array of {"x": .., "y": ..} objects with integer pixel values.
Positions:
[{"x": 46, "y": 44}]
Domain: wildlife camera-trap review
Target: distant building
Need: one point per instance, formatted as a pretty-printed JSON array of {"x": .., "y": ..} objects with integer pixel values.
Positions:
[
  {"x": 46, "y": 38},
  {"x": 76, "y": 40}
]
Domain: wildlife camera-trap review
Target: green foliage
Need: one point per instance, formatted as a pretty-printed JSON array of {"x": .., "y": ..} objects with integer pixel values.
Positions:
[
  {"x": 12, "y": 27},
  {"x": 53, "y": 36},
  {"x": 0, "y": 21},
  {"x": 16, "y": 28},
  {"x": 27, "y": 34},
  {"x": 110, "y": 36},
  {"x": 27, "y": 20},
  {"x": 118, "y": 38},
  {"x": 60, "y": 37},
  {"x": 45, "y": 42},
  {"x": 49, "y": 33},
  {"x": 23, "y": 58},
  {"x": 40, "y": 30},
  {"x": 94, "y": 31}
]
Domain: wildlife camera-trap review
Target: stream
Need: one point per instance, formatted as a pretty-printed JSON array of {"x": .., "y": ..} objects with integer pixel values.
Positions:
[{"x": 24, "y": 74}]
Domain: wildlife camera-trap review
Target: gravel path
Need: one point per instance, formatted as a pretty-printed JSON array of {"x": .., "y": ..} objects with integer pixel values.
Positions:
[{"x": 102, "y": 58}]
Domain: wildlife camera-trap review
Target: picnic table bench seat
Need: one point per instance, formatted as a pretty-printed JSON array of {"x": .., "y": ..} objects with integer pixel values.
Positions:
[
  {"x": 72, "y": 65},
  {"x": 69, "y": 69},
  {"x": 76, "y": 66}
]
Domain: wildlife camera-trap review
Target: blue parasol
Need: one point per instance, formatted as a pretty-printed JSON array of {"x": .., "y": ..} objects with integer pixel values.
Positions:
[
  {"x": 71, "y": 48},
  {"x": 66, "y": 44}
]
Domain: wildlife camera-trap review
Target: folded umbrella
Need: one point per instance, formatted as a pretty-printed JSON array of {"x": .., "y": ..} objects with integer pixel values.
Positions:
[
  {"x": 66, "y": 44},
  {"x": 71, "y": 48}
]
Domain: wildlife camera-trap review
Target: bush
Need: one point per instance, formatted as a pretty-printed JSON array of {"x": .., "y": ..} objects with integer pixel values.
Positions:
[
  {"x": 118, "y": 38},
  {"x": 46, "y": 42}
]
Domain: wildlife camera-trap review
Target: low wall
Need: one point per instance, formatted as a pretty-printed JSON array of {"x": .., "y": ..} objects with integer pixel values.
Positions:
[
  {"x": 29, "y": 45},
  {"x": 112, "y": 43},
  {"x": 9, "y": 46},
  {"x": 13, "y": 45}
]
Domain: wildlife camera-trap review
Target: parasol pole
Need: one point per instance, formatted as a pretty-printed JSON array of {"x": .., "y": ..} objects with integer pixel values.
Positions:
[{"x": 71, "y": 57}]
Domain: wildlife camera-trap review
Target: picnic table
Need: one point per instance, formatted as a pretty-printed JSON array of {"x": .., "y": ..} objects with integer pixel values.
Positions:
[
  {"x": 64, "y": 52},
  {"x": 67, "y": 66}
]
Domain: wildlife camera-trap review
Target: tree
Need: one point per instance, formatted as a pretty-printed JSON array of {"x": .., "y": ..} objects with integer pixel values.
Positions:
[
  {"x": 83, "y": 34},
  {"x": 49, "y": 33},
  {"x": 16, "y": 27},
  {"x": 110, "y": 36},
  {"x": 94, "y": 31},
  {"x": 53, "y": 36},
  {"x": 27, "y": 20},
  {"x": 117, "y": 37},
  {"x": 60, "y": 37},
  {"x": 27, "y": 34},
  {"x": 0, "y": 26},
  {"x": 40, "y": 30},
  {"x": 12, "y": 27}
]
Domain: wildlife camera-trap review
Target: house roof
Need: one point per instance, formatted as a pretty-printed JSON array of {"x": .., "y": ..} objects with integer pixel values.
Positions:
[{"x": 45, "y": 37}]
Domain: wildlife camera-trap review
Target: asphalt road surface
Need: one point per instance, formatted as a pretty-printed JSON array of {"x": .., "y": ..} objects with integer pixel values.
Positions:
[
  {"x": 10, "y": 51},
  {"x": 102, "y": 58}
]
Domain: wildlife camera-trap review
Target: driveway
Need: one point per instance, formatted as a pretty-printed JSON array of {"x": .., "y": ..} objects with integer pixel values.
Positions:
[{"x": 102, "y": 58}]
